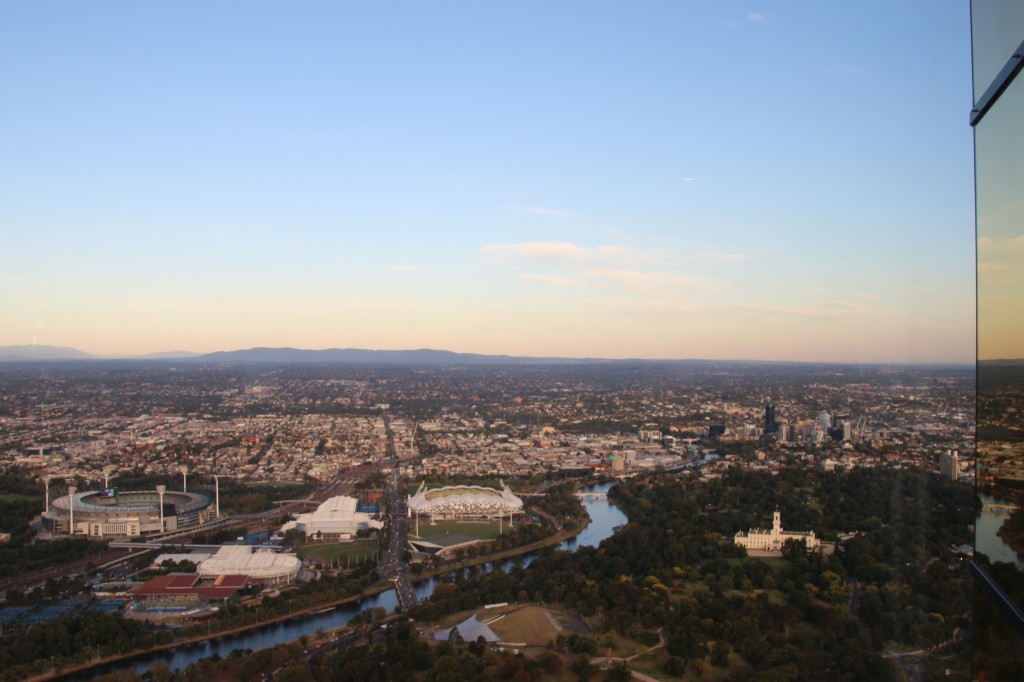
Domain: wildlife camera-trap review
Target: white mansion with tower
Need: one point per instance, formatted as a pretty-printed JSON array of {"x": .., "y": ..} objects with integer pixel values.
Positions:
[{"x": 772, "y": 540}]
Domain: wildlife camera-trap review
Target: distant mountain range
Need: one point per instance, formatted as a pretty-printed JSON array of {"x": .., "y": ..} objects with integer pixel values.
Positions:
[
  {"x": 423, "y": 356},
  {"x": 334, "y": 356},
  {"x": 16, "y": 353}
]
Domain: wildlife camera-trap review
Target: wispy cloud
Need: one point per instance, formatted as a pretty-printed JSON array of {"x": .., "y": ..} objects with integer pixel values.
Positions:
[
  {"x": 652, "y": 279},
  {"x": 619, "y": 282},
  {"x": 568, "y": 254},
  {"x": 845, "y": 305},
  {"x": 999, "y": 262},
  {"x": 757, "y": 17},
  {"x": 658, "y": 284},
  {"x": 667, "y": 306},
  {"x": 556, "y": 280}
]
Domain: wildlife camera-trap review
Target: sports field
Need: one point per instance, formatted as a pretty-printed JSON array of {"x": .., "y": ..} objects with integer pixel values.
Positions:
[
  {"x": 480, "y": 531},
  {"x": 18, "y": 497},
  {"x": 343, "y": 554},
  {"x": 529, "y": 625}
]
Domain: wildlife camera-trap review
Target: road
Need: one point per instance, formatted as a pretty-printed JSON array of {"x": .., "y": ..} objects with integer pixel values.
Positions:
[{"x": 392, "y": 565}]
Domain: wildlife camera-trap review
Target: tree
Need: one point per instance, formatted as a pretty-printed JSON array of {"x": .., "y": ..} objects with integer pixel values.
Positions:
[
  {"x": 619, "y": 672},
  {"x": 674, "y": 666},
  {"x": 583, "y": 668}
]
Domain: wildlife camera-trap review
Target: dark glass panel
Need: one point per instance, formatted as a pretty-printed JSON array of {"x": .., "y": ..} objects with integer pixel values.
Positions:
[
  {"x": 997, "y": 28},
  {"x": 999, "y": 534}
]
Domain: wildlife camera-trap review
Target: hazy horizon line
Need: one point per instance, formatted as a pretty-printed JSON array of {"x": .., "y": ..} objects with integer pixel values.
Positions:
[{"x": 189, "y": 355}]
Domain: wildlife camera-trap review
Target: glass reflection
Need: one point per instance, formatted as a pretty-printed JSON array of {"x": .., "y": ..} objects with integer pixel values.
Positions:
[{"x": 998, "y": 28}]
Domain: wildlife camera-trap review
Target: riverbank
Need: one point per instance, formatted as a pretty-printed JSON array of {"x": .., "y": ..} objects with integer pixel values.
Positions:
[
  {"x": 305, "y": 621},
  {"x": 376, "y": 589},
  {"x": 556, "y": 538}
]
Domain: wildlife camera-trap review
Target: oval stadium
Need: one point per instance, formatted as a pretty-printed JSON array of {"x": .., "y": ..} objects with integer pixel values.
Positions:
[
  {"x": 465, "y": 502},
  {"x": 126, "y": 514}
]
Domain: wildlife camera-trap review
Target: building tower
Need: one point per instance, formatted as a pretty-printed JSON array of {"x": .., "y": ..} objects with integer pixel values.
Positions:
[
  {"x": 771, "y": 426},
  {"x": 71, "y": 505},
  {"x": 949, "y": 464},
  {"x": 160, "y": 490},
  {"x": 107, "y": 470}
]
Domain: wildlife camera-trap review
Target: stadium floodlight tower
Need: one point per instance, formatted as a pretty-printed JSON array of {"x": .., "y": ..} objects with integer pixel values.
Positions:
[
  {"x": 71, "y": 505},
  {"x": 184, "y": 478},
  {"x": 46, "y": 486},
  {"x": 216, "y": 493},
  {"x": 160, "y": 490},
  {"x": 107, "y": 470}
]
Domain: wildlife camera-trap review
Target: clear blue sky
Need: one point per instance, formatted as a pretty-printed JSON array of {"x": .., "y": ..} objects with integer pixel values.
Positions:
[{"x": 772, "y": 180}]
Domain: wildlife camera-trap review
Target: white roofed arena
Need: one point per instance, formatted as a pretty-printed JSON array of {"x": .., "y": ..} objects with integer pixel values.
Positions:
[
  {"x": 465, "y": 502},
  {"x": 335, "y": 519},
  {"x": 261, "y": 565}
]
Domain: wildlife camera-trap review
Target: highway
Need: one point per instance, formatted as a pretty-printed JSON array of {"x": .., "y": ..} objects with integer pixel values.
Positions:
[{"x": 392, "y": 565}]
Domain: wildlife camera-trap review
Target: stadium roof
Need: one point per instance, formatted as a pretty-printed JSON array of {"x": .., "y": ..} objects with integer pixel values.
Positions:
[
  {"x": 467, "y": 500},
  {"x": 241, "y": 560}
]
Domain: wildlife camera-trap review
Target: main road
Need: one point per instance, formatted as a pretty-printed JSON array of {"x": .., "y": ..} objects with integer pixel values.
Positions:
[{"x": 392, "y": 565}]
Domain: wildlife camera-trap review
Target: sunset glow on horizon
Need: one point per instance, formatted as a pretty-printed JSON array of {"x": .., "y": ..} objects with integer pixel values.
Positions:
[{"x": 761, "y": 181}]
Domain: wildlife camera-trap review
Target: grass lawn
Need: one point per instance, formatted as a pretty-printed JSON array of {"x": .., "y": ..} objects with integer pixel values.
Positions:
[
  {"x": 480, "y": 530},
  {"x": 18, "y": 497},
  {"x": 344, "y": 553},
  {"x": 650, "y": 664},
  {"x": 529, "y": 624},
  {"x": 614, "y": 644}
]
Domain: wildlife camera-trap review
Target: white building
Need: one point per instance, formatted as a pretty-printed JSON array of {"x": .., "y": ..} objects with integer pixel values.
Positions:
[
  {"x": 464, "y": 502},
  {"x": 263, "y": 566},
  {"x": 949, "y": 464},
  {"x": 772, "y": 540},
  {"x": 336, "y": 518}
]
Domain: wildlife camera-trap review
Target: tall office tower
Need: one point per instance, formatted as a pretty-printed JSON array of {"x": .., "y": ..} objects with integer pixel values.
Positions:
[
  {"x": 949, "y": 464},
  {"x": 770, "y": 425},
  {"x": 997, "y": 49},
  {"x": 824, "y": 420}
]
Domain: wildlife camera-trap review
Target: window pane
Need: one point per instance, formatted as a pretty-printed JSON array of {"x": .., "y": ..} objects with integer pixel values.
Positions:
[
  {"x": 999, "y": 148},
  {"x": 997, "y": 27}
]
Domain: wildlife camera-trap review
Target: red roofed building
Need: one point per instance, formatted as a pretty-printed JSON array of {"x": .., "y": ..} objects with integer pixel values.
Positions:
[{"x": 185, "y": 588}]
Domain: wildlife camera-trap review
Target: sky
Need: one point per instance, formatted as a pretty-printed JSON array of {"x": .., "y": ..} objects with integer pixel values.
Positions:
[{"x": 778, "y": 180}]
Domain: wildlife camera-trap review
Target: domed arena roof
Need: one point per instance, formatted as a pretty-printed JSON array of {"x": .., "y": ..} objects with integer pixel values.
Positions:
[{"x": 469, "y": 500}]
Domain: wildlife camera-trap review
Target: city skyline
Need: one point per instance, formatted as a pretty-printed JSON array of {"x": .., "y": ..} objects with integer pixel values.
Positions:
[{"x": 750, "y": 182}]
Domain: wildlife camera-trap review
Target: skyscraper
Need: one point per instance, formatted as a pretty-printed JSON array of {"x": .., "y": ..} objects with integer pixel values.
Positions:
[
  {"x": 771, "y": 426},
  {"x": 949, "y": 464}
]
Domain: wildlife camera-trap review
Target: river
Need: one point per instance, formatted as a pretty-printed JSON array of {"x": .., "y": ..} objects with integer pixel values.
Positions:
[
  {"x": 605, "y": 518},
  {"x": 987, "y": 525}
]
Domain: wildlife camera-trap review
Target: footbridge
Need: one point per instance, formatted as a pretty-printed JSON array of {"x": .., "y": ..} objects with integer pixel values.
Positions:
[{"x": 592, "y": 494}]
